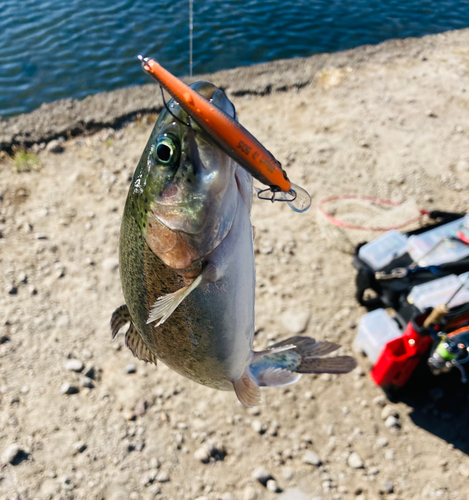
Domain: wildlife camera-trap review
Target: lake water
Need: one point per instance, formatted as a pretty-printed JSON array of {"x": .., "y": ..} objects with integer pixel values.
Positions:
[{"x": 50, "y": 49}]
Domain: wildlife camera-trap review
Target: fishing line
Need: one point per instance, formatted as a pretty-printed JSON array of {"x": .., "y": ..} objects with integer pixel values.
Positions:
[
  {"x": 191, "y": 29},
  {"x": 170, "y": 112}
]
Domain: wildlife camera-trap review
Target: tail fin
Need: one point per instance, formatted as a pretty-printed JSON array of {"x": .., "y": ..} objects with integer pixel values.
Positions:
[{"x": 283, "y": 368}]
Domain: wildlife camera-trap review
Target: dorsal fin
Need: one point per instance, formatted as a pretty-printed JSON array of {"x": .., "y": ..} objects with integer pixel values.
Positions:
[
  {"x": 135, "y": 343},
  {"x": 247, "y": 391}
]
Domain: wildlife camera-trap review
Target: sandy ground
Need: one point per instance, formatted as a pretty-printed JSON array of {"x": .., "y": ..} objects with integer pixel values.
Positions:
[{"x": 397, "y": 129}]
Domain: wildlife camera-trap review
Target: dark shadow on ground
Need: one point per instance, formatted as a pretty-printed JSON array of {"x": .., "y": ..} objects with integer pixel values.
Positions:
[{"x": 440, "y": 405}]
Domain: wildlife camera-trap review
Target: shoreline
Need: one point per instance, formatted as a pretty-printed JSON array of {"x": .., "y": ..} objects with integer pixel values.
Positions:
[{"x": 72, "y": 117}]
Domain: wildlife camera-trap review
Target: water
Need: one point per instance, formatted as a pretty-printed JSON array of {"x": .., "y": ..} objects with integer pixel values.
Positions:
[{"x": 51, "y": 49}]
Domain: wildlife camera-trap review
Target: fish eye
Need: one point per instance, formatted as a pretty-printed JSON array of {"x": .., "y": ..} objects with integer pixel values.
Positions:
[{"x": 166, "y": 150}]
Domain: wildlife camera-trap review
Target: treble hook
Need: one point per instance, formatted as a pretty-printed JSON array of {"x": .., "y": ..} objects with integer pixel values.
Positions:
[{"x": 276, "y": 194}]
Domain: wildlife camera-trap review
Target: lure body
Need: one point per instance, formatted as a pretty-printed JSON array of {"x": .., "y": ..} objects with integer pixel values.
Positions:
[{"x": 231, "y": 137}]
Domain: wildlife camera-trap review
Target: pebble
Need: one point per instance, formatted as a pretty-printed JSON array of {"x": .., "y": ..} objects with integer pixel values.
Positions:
[
  {"x": 67, "y": 388},
  {"x": 54, "y": 146},
  {"x": 387, "y": 487},
  {"x": 391, "y": 421},
  {"x": 295, "y": 321},
  {"x": 86, "y": 382},
  {"x": 250, "y": 493},
  {"x": 382, "y": 442},
  {"x": 130, "y": 368},
  {"x": 78, "y": 447},
  {"x": 11, "y": 289},
  {"x": 354, "y": 461},
  {"x": 11, "y": 454},
  {"x": 288, "y": 473},
  {"x": 228, "y": 496},
  {"x": 74, "y": 365},
  {"x": 258, "y": 426},
  {"x": 463, "y": 470},
  {"x": 162, "y": 477},
  {"x": 379, "y": 400},
  {"x": 310, "y": 457},
  {"x": 293, "y": 494},
  {"x": 262, "y": 475},
  {"x": 202, "y": 455},
  {"x": 272, "y": 485},
  {"x": 111, "y": 264},
  {"x": 390, "y": 455},
  {"x": 389, "y": 411}
]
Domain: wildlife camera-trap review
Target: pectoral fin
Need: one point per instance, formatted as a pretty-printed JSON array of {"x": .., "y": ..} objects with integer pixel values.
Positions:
[
  {"x": 119, "y": 318},
  {"x": 165, "y": 306},
  {"x": 247, "y": 391}
]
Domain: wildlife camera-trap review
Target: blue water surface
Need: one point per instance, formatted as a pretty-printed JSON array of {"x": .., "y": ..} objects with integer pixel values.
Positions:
[{"x": 50, "y": 49}]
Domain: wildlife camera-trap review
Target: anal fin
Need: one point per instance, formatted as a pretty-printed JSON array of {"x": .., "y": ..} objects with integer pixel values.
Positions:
[
  {"x": 165, "y": 306},
  {"x": 247, "y": 390},
  {"x": 119, "y": 318},
  {"x": 135, "y": 343}
]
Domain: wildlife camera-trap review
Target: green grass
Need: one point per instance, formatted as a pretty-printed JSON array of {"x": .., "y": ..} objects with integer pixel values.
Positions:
[{"x": 25, "y": 162}]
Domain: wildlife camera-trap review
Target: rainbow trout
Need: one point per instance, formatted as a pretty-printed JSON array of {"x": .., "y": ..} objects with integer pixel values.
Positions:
[{"x": 187, "y": 266}]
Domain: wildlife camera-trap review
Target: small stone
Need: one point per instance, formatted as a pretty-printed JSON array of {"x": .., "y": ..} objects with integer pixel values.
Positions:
[
  {"x": 463, "y": 469},
  {"x": 74, "y": 365},
  {"x": 272, "y": 485},
  {"x": 79, "y": 447},
  {"x": 86, "y": 382},
  {"x": 250, "y": 493},
  {"x": 354, "y": 461},
  {"x": 390, "y": 455},
  {"x": 382, "y": 442},
  {"x": 387, "y": 487},
  {"x": 388, "y": 411},
  {"x": 258, "y": 426},
  {"x": 67, "y": 388},
  {"x": 154, "y": 489},
  {"x": 228, "y": 496},
  {"x": 392, "y": 421},
  {"x": 162, "y": 477},
  {"x": 202, "y": 454},
  {"x": 130, "y": 368},
  {"x": 24, "y": 389},
  {"x": 379, "y": 400},
  {"x": 154, "y": 463},
  {"x": 111, "y": 264},
  {"x": 372, "y": 471},
  {"x": 11, "y": 289},
  {"x": 148, "y": 477},
  {"x": 11, "y": 454},
  {"x": 311, "y": 458},
  {"x": 54, "y": 146},
  {"x": 288, "y": 473},
  {"x": 262, "y": 475},
  {"x": 141, "y": 407},
  {"x": 296, "y": 321}
]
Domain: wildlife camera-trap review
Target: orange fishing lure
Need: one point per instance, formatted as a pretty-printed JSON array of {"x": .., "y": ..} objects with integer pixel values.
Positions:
[{"x": 231, "y": 137}]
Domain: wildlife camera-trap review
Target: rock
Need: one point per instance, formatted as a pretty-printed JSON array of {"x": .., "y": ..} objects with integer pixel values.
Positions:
[
  {"x": 154, "y": 463},
  {"x": 390, "y": 455},
  {"x": 258, "y": 426},
  {"x": 391, "y": 421},
  {"x": 354, "y": 461},
  {"x": 111, "y": 264},
  {"x": 140, "y": 407},
  {"x": 387, "y": 487},
  {"x": 250, "y": 493},
  {"x": 12, "y": 454},
  {"x": 86, "y": 382},
  {"x": 372, "y": 471},
  {"x": 228, "y": 496},
  {"x": 54, "y": 146},
  {"x": 202, "y": 455},
  {"x": 382, "y": 442},
  {"x": 74, "y": 365},
  {"x": 67, "y": 388},
  {"x": 78, "y": 447},
  {"x": 162, "y": 477},
  {"x": 149, "y": 477},
  {"x": 463, "y": 469},
  {"x": 272, "y": 485},
  {"x": 130, "y": 368},
  {"x": 293, "y": 494},
  {"x": 388, "y": 411},
  {"x": 11, "y": 289},
  {"x": 262, "y": 475},
  {"x": 288, "y": 473},
  {"x": 311, "y": 458},
  {"x": 379, "y": 400}
]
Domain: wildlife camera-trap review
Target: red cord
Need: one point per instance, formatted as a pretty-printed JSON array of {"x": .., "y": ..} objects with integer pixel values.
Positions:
[{"x": 341, "y": 223}]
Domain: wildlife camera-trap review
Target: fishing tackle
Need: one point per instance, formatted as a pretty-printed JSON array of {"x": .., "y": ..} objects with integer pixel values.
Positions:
[{"x": 231, "y": 137}]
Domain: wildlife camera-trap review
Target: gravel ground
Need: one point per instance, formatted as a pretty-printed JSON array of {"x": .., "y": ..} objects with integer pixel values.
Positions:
[{"x": 82, "y": 419}]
